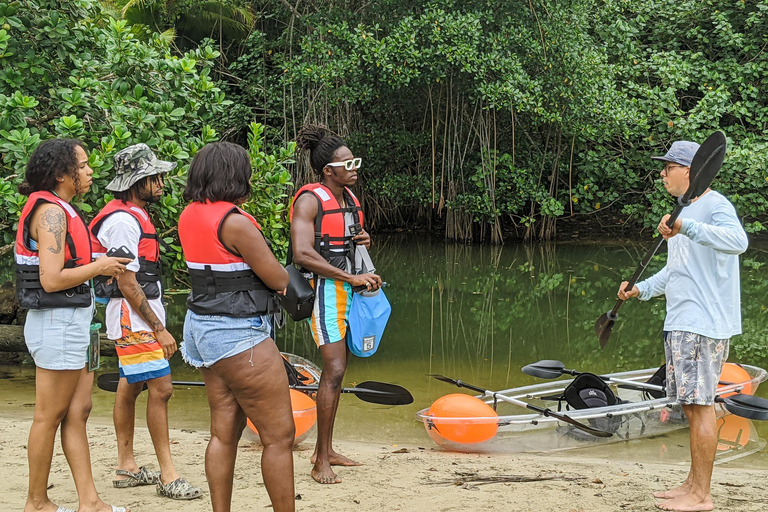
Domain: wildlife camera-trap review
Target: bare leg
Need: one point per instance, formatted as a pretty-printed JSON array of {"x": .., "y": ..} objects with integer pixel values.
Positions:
[
  {"x": 686, "y": 486},
  {"x": 160, "y": 391},
  {"x": 227, "y": 423},
  {"x": 124, "y": 418},
  {"x": 261, "y": 391},
  {"x": 74, "y": 441},
  {"x": 328, "y": 394},
  {"x": 53, "y": 393},
  {"x": 703, "y": 425}
]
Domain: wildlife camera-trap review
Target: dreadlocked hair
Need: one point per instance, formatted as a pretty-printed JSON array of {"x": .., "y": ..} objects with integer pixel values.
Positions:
[
  {"x": 321, "y": 144},
  {"x": 125, "y": 195},
  {"x": 50, "y": 160}
]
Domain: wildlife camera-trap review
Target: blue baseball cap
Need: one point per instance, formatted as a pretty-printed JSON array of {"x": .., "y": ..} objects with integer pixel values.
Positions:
[{"x": 681, "y": 152}]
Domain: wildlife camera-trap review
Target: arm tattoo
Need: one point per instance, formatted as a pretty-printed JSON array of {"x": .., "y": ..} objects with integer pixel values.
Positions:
[
  {"x": 54, "y": 221},
  {"x": 145, "y": 310},
  {"x": 149, "y": 315}
]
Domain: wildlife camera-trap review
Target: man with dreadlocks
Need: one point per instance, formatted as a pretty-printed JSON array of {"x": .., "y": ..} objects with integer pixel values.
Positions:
[
  {"x": 326, "y": 225},
  {"x": 135, "y": 318}
]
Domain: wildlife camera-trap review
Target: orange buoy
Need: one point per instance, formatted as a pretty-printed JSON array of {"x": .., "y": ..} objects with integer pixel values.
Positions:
[
  {"x": 734, "y": 374},
  {"x": 732, "y": 432},
  {"x": 461, "y": 419},
  {"x": 304, "y": 415}
]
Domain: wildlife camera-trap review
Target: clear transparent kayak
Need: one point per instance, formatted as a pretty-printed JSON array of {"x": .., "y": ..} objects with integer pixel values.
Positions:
[{"x": 640, "y": 416}]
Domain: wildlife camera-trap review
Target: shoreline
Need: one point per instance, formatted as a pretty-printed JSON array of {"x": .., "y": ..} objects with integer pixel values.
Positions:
[{"x": 395, "y": 477}]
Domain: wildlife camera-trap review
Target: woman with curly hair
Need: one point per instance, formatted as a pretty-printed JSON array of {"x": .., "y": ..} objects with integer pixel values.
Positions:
[{"x": 53, "y": 269}]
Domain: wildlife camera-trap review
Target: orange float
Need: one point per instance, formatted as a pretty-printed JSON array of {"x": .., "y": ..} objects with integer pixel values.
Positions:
[
  {"x": 461, "y": 419},
  {"x": 732, "y": 432},
  {"x": 304, "y": 415},
  {"x": 734, "y": 374}
]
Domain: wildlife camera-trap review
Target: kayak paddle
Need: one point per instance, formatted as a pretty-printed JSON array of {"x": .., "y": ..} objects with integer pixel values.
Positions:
[
  {"x": 740, "y": 404},
  {"x": 704, "y": 167},
  {"x": 551, "y": 369},
  {"x": 546, "y": 412},
  {"x": 368, "y": 391}
]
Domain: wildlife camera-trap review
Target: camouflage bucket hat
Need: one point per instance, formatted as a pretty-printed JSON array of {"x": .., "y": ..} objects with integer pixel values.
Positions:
[{"x": 134, "y": 163}]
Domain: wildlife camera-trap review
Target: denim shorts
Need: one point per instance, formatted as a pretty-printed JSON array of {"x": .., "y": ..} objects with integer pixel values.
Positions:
[
  {"x": 211, "y": 338},
  {"x": 58, "y": 338}
]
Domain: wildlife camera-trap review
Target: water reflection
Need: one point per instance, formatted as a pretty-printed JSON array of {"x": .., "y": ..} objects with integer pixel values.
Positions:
[{"x": 478, "y": 313}]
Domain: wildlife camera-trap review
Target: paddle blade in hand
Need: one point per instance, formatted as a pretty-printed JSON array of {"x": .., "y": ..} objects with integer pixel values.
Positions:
[
  {"x": 705, "y": 165},
  {"x": 603, "y": 329},
  {"x": 382, "y": 393}
]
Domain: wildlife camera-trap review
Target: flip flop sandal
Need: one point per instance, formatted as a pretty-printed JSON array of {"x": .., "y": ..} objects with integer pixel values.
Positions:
[
  {"x": 142, "y": 477},
  {"x": 64, "y": 509},
  {"x": 119, "y": 509},
  {"x": 179, "y": 489}
]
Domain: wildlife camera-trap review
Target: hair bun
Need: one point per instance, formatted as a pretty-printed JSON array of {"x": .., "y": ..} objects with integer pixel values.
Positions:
[{"x": 310, "y": 135}]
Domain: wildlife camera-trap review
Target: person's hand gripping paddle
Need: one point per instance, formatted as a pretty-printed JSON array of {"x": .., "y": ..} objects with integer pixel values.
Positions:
[{"x": 704, "y": 167}]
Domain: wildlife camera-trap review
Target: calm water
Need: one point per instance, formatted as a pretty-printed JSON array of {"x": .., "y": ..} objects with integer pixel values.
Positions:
[{"x": 478, "y": 314}]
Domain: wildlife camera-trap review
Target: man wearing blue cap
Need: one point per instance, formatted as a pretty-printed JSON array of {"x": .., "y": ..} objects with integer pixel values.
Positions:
[{"x": 701, "y": 284}]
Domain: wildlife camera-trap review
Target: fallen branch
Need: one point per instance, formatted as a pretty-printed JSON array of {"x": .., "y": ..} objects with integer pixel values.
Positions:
[{"x": 474, "y": 479}]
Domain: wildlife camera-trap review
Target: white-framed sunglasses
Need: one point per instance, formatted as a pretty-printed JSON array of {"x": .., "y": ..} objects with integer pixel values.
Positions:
[{"x": 354, "y": 163}]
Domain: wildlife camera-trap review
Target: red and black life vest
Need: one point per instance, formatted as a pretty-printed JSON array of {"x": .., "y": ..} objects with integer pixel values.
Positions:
[
  {"x": 77, "y": 252},
  {"x": 222, "y": 282},
  {"x": 149, "y": 273},
  {"x": 331, "y": 240}
]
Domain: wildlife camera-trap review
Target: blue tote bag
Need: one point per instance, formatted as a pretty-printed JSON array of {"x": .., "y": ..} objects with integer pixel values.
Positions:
[{"x": 367, "y": 318}]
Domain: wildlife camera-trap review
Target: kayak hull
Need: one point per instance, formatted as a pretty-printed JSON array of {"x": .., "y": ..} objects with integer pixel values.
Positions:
[{"x": 521, "y": 431}]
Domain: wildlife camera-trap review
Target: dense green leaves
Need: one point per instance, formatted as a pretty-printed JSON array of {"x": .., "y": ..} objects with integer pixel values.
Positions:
[{"x": 70, "y": 70}]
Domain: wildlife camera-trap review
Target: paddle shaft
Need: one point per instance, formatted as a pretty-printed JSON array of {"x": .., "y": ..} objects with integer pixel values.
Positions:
[
  {"x": 647, "y": 259},
  {"x": 546, "y": 412},
  {"x": 359, "y": 391}
]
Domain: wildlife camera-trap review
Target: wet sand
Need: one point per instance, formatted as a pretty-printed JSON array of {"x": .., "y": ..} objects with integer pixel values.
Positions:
[{"x": 395, "y": 477}]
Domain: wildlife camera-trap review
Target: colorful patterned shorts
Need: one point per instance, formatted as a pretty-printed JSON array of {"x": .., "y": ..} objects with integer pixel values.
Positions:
[
  {"x": 694, "y": 363},
  {"x": 140, "y": 355},
  {"x": 329, "y": 317}
]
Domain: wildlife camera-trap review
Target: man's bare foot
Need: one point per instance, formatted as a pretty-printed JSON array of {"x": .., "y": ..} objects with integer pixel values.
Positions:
[
  {"x": 687, "y": 503},
  {"x": 673, "y": 493},
  {"x": 325, "y": 475},
  {"x": 336, "y": 459}
]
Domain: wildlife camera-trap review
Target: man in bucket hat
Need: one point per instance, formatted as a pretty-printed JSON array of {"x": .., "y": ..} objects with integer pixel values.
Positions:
[
  {"x": 702, "y": 287},
  {"x": 135, "y": 317}
]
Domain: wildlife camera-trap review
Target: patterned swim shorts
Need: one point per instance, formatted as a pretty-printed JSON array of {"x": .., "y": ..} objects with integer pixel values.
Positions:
[{"x": 694, "y": 363}]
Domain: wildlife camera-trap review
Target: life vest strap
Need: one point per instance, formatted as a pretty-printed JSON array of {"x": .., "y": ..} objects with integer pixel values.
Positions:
[{"x": 210, "y": 282}]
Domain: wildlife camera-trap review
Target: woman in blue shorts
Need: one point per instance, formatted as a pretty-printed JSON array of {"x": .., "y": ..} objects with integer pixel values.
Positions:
[
  {"x": 53, "y": 267},
  {"x": 234, "y": 277}
]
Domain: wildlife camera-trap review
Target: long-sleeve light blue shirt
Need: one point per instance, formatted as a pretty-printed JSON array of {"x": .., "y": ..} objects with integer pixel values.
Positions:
[{"x": 701, "y": 277}]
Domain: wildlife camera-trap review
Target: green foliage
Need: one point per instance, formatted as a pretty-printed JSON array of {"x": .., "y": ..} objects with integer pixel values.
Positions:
[
  {"x": 519, "y": 111},
  {"x": 70, "y": 70},
  {"x": 271, "y": 180}
]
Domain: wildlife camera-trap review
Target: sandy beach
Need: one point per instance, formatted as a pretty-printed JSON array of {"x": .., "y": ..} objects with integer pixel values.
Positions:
[{"x": 394, "y": 477}]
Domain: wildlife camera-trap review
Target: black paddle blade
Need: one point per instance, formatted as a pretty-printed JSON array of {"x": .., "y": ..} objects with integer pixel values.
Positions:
[
  {"x": 382, "y": 393},
  {"x": 443, "y": 378},
  {"x": 109, "y": 382},
  {"x": 706, "y": 164},
  {"x": 603, "y": 329},
  {"x": 746, "y": 406},
  {"x": 547, "y": 369},
  {"x": 581, "y": 426}
]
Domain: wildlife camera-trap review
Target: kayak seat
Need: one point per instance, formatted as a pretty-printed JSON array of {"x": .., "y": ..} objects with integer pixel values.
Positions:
[{"x": 587, "y": 391}]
